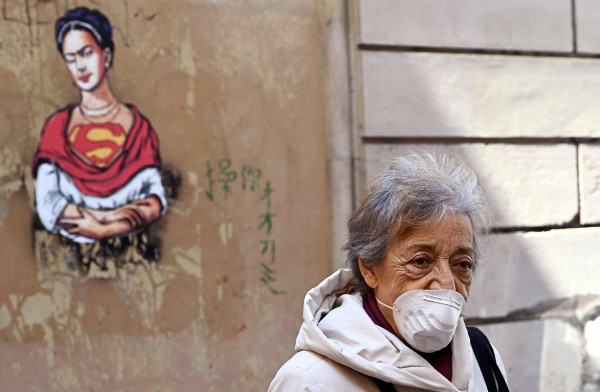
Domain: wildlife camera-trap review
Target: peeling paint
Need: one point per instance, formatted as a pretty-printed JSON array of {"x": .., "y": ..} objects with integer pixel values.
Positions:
[
  {"x": 185, "y": 207},
  {"x": 187, "y": 63},
  {"x": 189, "y": 260},
  {"x": 62, "y": 302},
  {"x": 66, "y": 379},
  {"x": 100, "y": 313},
  {"x": 36, "y": 309},
  {"x": 11, "y": 169},
  {"x": 5, "y": 317},
  {"x": 14, "y": 300},
  {"x": 225, "y": 232}
]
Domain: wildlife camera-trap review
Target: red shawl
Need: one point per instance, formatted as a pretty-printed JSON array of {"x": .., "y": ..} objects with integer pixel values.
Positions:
[{"x": 140, "y": 151}]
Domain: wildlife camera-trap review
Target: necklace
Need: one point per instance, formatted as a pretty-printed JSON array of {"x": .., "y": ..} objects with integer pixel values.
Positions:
[
  {"x": 99, "y": 112},
  {"x": 95, "y": 118}
]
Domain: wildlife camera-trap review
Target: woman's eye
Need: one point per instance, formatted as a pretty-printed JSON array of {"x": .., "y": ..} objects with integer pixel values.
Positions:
[
  {"x": 87, "y": 53},
  {"x": 69, "y": 59},
  {"x": 467, "y": 265},
  {"x": 419, "y": 261}
]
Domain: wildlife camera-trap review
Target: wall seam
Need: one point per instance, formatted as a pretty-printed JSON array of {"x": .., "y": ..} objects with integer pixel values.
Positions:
[
  {"x": 476, "y": 51},
  {"x": 579, "y": 168},
  {"x": 574, "y": 24},
  {"x": 474, "y": 140},
  {"x": 356, "y": 84}
]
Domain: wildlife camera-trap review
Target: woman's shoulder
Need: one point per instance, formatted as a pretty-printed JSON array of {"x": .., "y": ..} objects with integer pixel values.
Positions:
[
  {"x": 56, "y": 122},
  {"x": 138, "y": 118},
  {"x": 60, "y": 115},
  {"x": 309, "y": 371},
  {"x": 134, "y": 110}
]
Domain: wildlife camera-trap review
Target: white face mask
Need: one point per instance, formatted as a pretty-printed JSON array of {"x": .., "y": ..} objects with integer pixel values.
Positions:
[{"x": 427, "y": 319}]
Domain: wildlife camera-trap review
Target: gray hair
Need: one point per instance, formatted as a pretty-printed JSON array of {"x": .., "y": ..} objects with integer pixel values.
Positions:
[{"x": 413, "y": 190}]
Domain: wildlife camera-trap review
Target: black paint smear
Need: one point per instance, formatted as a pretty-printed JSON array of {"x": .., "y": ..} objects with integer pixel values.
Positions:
[
  {"x": 134, "y": 248},
  {"x": 171, "y": 180}
]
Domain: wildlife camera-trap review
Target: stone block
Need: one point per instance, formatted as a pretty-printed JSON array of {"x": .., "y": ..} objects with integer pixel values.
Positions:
[
  {"x": 588, "y": 26},
  {"x": 520, "y": 180},
  {"x": 543, "y": 25},
  {"x": 539, "y": 355},
  {"x": 589, "y": 172},
  {"x": 536, "y": 272},
  {"x": 408, "y": 94}
]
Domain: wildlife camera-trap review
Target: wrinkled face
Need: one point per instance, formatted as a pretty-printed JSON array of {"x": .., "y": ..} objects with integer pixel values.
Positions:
[
  {"x": 435, "y": 256},
  {"x": 86, "y": 61}
]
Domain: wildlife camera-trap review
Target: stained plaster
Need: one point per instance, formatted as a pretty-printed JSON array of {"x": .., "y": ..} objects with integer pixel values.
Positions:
[{"x": 218, "y": 80}]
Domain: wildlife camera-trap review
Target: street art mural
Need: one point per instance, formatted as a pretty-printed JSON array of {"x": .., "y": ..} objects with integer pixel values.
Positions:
[
  {"x": 163, "y": 191},
  {"x": 97, "y": 165}
]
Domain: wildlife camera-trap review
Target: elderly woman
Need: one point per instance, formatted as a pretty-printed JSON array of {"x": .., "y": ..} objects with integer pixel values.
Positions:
[{"x": 393, "y": 322}]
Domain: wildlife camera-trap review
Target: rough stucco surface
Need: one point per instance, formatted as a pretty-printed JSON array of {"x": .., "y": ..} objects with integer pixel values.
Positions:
[{"x": 219, "y": 80}]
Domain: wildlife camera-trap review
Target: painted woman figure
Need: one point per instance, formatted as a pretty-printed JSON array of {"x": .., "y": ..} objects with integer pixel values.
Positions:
[{"x": 97, "y": 163}]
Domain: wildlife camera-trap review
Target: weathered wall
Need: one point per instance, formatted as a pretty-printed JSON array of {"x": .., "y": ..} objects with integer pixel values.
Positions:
[
  {"x": 231, "y": 84},
  {"x": 512, "y": 87}
]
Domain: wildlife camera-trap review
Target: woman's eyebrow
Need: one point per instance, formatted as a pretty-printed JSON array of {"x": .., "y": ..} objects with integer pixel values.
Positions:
[
  {"x": 421, "y": 245},
  {"x": 430, "y": 247},
  {"x": 79, "y": 52},
  {"x": 464, "y": 249}
]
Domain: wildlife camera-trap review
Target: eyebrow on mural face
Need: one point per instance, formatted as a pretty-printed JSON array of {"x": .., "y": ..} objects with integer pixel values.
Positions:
[{"x": 79, "y": 52}]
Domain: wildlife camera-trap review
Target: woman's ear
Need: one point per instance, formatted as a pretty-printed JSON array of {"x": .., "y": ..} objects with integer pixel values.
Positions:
[
  {"x": 107, "y": 58},
  {"x": 367, "y": 273}
]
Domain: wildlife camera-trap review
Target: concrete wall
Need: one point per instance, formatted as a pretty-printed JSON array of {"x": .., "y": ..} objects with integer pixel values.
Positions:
[
  {"x": 512, "y": 87},
  {"x": 219, "y": 80}
]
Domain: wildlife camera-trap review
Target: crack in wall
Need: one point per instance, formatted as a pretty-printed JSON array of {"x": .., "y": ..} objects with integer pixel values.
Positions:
[{"x": 577, "y": 311}]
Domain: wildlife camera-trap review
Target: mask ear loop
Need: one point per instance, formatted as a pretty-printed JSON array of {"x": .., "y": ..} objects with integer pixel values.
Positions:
[{"x": 395, "y": 309}]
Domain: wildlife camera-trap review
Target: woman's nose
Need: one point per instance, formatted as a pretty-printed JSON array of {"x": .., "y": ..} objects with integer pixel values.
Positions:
[
  {"x": 79, "y": 63},
  {"x": 443, "y": 278}
]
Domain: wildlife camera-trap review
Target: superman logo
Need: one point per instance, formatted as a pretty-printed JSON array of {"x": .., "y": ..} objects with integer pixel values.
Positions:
[{"x": 97, "y": 144}]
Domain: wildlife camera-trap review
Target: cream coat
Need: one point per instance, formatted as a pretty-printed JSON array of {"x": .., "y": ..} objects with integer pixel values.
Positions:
[{"x": 339, "y": 348}]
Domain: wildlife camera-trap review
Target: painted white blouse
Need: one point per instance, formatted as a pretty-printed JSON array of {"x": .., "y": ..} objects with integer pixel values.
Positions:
[{"x": 55, "y": 189}]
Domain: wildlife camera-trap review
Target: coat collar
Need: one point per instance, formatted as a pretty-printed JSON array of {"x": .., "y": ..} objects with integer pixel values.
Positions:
[{"x": 337, "y": 327}]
